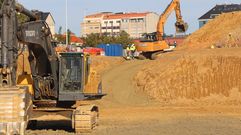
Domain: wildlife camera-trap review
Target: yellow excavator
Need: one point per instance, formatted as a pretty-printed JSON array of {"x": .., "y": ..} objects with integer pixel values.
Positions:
[
  {"x": 56, "y": 83},
  {"x": 153, "y": 44}
]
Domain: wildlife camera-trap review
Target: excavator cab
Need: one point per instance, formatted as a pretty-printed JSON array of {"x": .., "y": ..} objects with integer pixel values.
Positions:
[
  {"x": 74, "y": 70},
  {"x": 149, "y": 37},
  {"x": 71, "y": 76}
]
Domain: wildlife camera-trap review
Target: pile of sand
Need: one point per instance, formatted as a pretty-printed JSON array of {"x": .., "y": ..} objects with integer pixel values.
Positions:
[
  {"x": 192, "y": 76},
  {"x": 202, "y": 74},
  {"x": 223, "y": 31},
  {"x": 99, "y": 65}
]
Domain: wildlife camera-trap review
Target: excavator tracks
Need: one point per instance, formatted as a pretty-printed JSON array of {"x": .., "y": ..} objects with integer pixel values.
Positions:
[
  {"x": 15, "y": 110},
  {"x": 85, "y": 118}
]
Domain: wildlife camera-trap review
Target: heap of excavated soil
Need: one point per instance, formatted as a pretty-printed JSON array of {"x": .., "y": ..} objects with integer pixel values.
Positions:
[
  {"x": 223, "y": 31},
  {"x": 100, "y": 64},
  {"x": 202, "y": 75}
]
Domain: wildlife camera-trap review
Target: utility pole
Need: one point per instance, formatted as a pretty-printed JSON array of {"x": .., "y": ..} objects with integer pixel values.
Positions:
[{"x": 66, "y": 22}]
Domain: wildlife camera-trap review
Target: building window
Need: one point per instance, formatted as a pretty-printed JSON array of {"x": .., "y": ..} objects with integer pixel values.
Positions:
[
  {"x": 213, "y": 16},
  {"x": 133, "y": 20},
  {"x": 202, "y": 23},
  {"x": 140, "y": 19},
  {"x": 118, "y": 21},
  {"x": 124, "y": 20},
  {"x": 110, "y": 21}
]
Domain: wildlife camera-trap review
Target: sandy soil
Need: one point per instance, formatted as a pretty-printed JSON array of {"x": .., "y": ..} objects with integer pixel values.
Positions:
[
  {"x": 223, "y": 31},
  {"x": 191, "y": 91},
  {"x": 126, "y": 110}
]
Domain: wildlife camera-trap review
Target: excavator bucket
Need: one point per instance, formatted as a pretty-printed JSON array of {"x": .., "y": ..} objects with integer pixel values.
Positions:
[
  {"x": 181, "y": 27},
  {"x": 15, "y": 110}
]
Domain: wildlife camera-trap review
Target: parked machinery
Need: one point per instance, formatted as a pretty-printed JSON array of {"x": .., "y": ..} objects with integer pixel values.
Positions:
[
  {"x": 154, "y": 43},
  {"x": 56, "y": 81}
]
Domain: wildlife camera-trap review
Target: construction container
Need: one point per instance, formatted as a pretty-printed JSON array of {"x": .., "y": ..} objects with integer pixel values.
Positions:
[{"x": 112, "y": 49}]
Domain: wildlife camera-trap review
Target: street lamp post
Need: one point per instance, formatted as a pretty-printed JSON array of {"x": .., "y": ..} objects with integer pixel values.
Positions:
[{"x": 66, "y": 22}]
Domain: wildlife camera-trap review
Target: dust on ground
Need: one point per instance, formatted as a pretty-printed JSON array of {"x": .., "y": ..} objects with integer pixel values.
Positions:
[{"x": 191, "y": 91}]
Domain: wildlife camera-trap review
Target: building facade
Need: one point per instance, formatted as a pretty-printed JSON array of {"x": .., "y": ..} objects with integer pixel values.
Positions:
[
  {"x": 47, "y": 16},
  {"x": 92, "y": 23},
  {"x": 135, "y": 24},
  {"x": 216, "y": 11}
]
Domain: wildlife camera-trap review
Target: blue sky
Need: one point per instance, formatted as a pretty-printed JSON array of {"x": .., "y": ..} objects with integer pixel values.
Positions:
[{"x": 191, "y": 10}]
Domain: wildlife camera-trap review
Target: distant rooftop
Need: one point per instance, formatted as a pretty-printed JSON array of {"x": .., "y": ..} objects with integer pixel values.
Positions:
[
  {"x": 122, "y": 15},
  {"x": 219, "y": 9},
  {"x": 98, "y": 15},
  {"x": 118, "y": 15}
]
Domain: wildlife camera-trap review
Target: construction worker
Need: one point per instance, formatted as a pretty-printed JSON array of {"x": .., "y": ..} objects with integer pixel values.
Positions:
[
  {"x": 133, "y": 50},
  {"x": 128, "y": 52}
]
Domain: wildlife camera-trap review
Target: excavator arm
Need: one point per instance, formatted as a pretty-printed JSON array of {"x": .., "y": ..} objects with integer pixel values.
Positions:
[
  {"x": 180, "y": 25},
  {"x": 36, "y": 35}
]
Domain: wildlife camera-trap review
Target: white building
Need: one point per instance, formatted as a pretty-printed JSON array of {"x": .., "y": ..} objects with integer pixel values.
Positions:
[
  {"x": 50, "y": 21},
  {"x": 135, "y": 24},
  {"x": 92, "y": 23}
]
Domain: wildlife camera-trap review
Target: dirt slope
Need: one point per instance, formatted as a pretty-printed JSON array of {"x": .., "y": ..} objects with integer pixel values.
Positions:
[
  {"x": 208, "y": 76},
  {"x": 195, "y": 73},
  {"x": 216, "y": 32},
  {"x": 121, "y": 89}
]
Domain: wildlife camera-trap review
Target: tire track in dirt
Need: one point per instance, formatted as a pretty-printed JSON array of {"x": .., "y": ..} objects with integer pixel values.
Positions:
[{"x": 120, "y": 87}]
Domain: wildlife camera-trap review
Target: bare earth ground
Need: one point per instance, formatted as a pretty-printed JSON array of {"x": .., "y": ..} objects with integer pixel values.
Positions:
[
  {"x": 188, "y": 92},
  {"x": 127, "y": 111}
]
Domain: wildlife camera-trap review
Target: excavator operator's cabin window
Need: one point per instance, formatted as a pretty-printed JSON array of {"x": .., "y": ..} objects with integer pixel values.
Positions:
[{"x": 71, "y": 73}]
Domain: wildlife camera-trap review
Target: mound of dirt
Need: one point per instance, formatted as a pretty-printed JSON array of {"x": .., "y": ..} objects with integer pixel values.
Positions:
[
  {"x": 196, "y": 74},
  {"x": 100, "y": 64},
  {"x": 223, "y": 31}
]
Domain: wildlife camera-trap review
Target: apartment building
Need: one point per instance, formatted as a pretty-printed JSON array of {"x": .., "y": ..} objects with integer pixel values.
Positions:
[
  {"x": 92, "y": 23},
  {"x": 135, "y": 24}
]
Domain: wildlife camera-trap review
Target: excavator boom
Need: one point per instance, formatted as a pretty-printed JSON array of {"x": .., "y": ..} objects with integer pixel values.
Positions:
[{"x": 180, "y": 25}]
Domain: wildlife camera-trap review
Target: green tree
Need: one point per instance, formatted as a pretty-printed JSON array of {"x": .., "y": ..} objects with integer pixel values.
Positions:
[
  {"x": 124, "y": 39},
  {"x": 93, "y": 40}
]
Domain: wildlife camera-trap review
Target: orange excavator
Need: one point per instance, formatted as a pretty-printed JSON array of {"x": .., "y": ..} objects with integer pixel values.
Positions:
[{"x": 153, "y": 44}]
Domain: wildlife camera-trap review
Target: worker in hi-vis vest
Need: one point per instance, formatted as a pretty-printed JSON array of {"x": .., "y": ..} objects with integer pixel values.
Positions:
[
  {"x": 133, "y": 50},
  {"x": 128, "y": 52}
]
